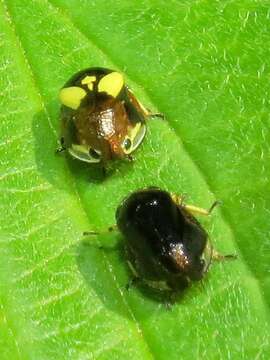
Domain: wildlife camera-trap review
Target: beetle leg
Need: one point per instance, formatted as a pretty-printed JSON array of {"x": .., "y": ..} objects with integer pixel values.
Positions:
[
  {"x": 171, "y": 300},
  {"x": 102, "y": 232},
  {"x": 129, "y": 158},
  {"x": 134, "y": 281},
  {"x": 155, "y": 114},
  {"x": 215, "y": 203},
  {"x": 200, "y": 211},
  {"x": 216, "y": 256},
  {"x": 62, "y": 146},
  {"x": 105, "y": 248},
  {"x": 139, "y": 106},
  {"x": 91, "y": 233},
  {"x": 179, "y": 200},
  {"x": 208, "y": 256},
  {"x": 60, "y": 149}
]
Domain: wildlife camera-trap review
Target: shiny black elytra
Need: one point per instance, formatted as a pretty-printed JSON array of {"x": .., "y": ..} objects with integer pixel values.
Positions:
[{"x": 164, "y": 241}]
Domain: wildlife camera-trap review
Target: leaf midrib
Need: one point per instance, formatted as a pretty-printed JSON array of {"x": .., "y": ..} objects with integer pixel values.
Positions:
[
  {"x": 42, "y": 103},
  {"x": 67, "y": 17}
]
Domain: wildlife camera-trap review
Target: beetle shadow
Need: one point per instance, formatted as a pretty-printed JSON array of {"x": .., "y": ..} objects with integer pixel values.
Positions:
[
  {"x": 95, "y": 263},
  {"x": 56, "y": 167}
]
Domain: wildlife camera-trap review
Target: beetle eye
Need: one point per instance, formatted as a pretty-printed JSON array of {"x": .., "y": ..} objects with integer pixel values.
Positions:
[
  {"x": 94, "y": 154},
  {"x": 127, "y": 144}
]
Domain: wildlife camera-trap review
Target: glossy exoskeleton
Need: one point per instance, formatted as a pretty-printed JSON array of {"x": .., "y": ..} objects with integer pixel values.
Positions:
[
  {"x": 164, "y": 241},
  {"x": 101, "y": 118}
]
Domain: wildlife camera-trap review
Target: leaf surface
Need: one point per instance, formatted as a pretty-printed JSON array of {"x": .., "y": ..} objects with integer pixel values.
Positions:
[{"x": 205, "y": 65}]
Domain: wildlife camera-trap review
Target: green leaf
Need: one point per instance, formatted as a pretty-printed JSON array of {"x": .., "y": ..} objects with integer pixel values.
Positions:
[{"x": 205, "y": 65}]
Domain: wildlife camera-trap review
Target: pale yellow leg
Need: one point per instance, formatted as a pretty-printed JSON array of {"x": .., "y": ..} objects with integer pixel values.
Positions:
[
  {"x": 196, "y": 210},
  {"x": 216, "y": 256},
  {"x": 156, "y": 114},
  {"x": 102, "y": 232},
  {"x": 61, "y": 147},
  {"x": 179, "y": 200},
  {"x": 143, "y": 109},
  {"x": 213, "y": 255}
]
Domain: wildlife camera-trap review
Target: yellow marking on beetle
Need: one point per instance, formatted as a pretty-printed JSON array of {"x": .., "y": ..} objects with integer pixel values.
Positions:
[
  {"x": 112, "y": 84},
  {"x": 72, "y": 96},
  {"x": 135, "y": 134},
  {"x": 81, "y": 152},
  {"x": 134, "y": 131},
  {"x": 80, "y": 148},
  {"x": 89, "y": 80},
  {"x": 143, "y": 108}
]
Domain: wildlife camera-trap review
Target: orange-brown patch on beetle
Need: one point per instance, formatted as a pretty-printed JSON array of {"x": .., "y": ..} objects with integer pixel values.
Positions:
[
  {"x": 108, "y": 122},
  {"x": 103, "y": 126}
]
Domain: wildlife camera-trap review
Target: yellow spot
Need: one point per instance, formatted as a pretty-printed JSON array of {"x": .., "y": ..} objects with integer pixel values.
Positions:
[
  {"x": 134, "y": 131},
  {"x": 81, "y": 152},
  {"x": 112, "y": 84},
  {"x": 80, "y": 148},
  {"x": 89, "y": 80},
  {"x": 136, "y": 135},
  {"x": 72, "y": 96},
  {"x": 90, "y": 86}
]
